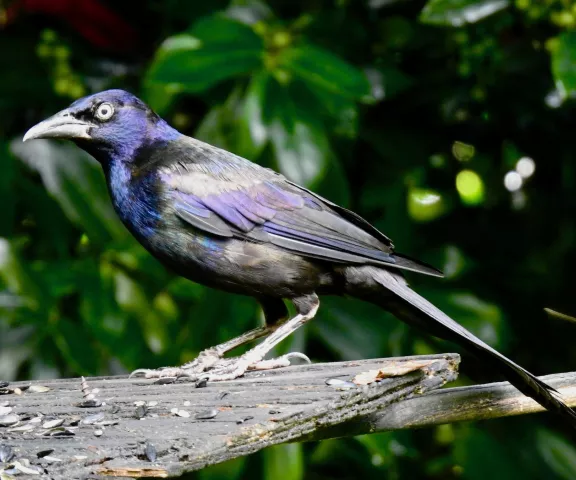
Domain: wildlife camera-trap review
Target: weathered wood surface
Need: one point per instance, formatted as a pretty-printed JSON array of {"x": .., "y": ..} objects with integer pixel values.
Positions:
[
  {"x": 147, "y": 439},
  {"x": 451, "y": 405}
]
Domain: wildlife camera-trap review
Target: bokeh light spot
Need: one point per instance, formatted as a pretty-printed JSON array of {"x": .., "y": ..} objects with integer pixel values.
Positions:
[
  {"x": 424, "y": 204},
  {"x": 470, "y": 187},
  {"x": 526, "y": 167},
  {"x": 513, "y": 181}
]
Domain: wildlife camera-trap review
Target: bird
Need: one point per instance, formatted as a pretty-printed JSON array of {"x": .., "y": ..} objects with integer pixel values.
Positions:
[{"x": 220, "y": 220}]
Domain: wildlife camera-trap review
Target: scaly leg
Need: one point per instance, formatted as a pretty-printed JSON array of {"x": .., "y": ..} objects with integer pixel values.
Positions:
[
  {"x": 275, "y": 313},
  {"x": 254, "y": 359}
]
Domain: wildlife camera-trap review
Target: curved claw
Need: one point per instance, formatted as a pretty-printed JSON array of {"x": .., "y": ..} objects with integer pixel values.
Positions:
[
  {"x": 140, "y": 372},
  {"x": 279, "y": 362},
  {"x": 299, "y": 355}
]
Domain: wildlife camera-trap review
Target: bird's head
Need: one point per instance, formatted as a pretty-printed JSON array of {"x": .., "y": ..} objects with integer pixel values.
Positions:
[{"x": 113, "y": 124}]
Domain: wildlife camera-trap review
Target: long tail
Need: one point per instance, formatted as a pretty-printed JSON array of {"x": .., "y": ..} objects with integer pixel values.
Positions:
[{"x": 407, "y": 305}]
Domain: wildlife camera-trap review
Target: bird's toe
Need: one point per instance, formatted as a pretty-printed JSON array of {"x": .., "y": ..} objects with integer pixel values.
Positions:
[
  {"x": 165, "y": 372},
  {"x": 279, "y": 362}
]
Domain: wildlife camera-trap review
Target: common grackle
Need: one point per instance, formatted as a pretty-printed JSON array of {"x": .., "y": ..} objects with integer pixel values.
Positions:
[{"x": 220, "y": 220}]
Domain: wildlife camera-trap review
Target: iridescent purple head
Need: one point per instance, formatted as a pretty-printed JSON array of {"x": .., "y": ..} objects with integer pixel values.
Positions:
[{"x": 113, "y": 124}]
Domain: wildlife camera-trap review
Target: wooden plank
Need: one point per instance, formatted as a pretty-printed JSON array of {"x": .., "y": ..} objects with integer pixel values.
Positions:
[{"x": 142, "y": 436}]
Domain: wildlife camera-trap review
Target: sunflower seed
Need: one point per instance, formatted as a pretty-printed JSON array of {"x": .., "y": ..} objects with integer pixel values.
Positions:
[
  {"x": 8, "y": 420},
  {"x": 24, "y": 428},
  {"x": 90, "y": 403},
  {"x": 53, "y": 423},
  {"x": 150, "y": 451},
  {"x": 44, "y": 453},
  {"x": 6, "y": 453},
  {"x": 338, "y": 383},
  {"x": 92, "y": 419},
  {"x": 207, "y": 414},
  {"x": 38, "y": 389}
]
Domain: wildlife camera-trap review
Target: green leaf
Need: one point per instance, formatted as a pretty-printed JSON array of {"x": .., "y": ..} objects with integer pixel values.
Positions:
[
  {"x": 455, "y": 13},
  {"x": 284, "y": 461},
  {"x": 215, "y": 49},
  {"x": 323, "y": 69},
  {"x": 558, "y": 453},
  {"x": 253, "y": 131},
  {"x": 564, "y": 64},
  {"x": 300, "y": 143}
]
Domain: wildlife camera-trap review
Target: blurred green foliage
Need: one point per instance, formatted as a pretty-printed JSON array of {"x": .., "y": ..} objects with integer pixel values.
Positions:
[{"x": 414, "y": 114}]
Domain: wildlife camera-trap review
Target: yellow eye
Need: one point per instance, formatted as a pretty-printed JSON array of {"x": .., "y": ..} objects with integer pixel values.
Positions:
[{"x": 104, "y": 111}]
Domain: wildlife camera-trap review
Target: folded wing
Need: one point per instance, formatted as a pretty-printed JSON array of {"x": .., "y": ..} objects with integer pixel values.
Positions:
[{"x": 261, "y": 206}]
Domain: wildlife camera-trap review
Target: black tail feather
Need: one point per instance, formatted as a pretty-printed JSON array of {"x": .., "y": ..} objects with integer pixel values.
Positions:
[{"x": 410, "y": 307}]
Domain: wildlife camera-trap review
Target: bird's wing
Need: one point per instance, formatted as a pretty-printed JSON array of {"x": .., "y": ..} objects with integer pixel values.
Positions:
[{"x": 243, "y": 200}]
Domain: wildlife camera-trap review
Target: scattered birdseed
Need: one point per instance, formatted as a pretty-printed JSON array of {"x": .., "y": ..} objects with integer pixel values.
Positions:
[
  {"x": 23, "y": 428},
  {"x": 90, "y": 403},
  {"x": 52, "y": 459},
  {"x": 201, "y": 382},
  {"x": 150, "y": 452},
  {"x": 242, "y": 420},
  {"x": 341, "y": 384},
  {"x": 141, "y": 412},
  {"x": 6, "y": 453},
  {"x": 59, "y": 432},
  {"x": 165, "y": 380},
  {"x": 38, "y": 389},
  {"x": 207, "y": 414},
  {"x": 75, "y": 420},
  {"x": 53, "y": 423},
  {"x": 92, "y": 419},
  {"x": 44, "y": 453},
  {"x": 29, "y": 470}
]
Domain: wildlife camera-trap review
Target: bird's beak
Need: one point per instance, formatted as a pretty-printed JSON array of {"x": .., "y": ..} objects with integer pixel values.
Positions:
[{"x": 61, "y": 125}]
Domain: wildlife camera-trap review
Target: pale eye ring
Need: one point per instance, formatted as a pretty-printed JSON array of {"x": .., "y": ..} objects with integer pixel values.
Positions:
[{"x": 104, "y": 111}]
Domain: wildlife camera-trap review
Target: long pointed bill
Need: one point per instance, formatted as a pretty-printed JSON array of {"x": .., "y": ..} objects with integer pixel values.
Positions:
[{"x": 61, "y": 125}]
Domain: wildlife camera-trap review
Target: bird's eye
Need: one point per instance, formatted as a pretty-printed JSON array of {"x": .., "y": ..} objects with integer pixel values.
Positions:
[{"x": 104, "y": 111}]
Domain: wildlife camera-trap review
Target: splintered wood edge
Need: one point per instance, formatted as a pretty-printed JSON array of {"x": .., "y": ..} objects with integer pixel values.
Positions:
[{"x": 362, "y": 402}]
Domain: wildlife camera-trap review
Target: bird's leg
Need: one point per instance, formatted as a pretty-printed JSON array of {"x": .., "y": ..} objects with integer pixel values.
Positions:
[
  {"x": 254, "y": 359},
  {"x": 275, "y": 313}
]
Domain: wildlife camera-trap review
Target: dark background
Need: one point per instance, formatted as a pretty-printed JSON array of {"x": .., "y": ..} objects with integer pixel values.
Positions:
[{"x": 409, "y": 112}]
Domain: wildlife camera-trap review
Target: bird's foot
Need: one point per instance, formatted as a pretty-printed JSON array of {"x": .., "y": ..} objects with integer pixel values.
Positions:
[
  {"x": 219, "y": 369},
  {"x": 229, "y": 369},
  {"x": 194, "y": 369}
]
